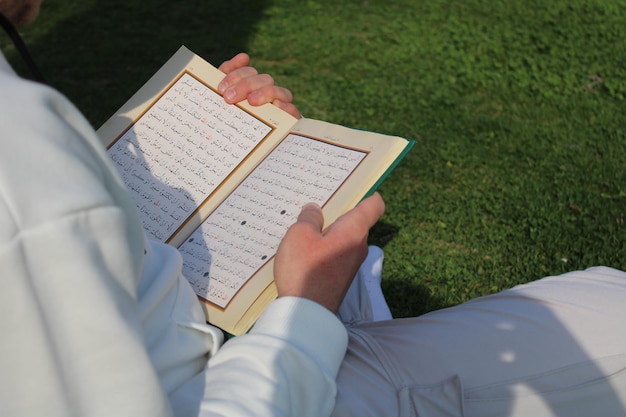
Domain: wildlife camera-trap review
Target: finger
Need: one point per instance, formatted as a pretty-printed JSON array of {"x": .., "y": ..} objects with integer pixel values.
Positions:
[
  {"x": 235, "y": 77},
  {"x": 260, "y": 86},
  {"x": 312, "y": 214},
  {"x": 240, "y": 60},
  {"x": 361, "y": 218},
  {"x": 268, "y": 93},
  {"x": 371, "y": 209},
  {"x": 288, "y": 107}
]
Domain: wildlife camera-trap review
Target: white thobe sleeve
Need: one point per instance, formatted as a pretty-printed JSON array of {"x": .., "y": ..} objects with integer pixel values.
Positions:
[{"x": 285, "y": 366}]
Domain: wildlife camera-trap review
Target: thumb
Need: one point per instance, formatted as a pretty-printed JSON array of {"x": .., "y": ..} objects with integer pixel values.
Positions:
[{"x": 312, "y": 214}]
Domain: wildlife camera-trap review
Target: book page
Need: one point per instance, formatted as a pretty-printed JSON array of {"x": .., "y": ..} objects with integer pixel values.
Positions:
[
  {"x": 180, "y": 150},
  {"x": 244, "y": 232}
]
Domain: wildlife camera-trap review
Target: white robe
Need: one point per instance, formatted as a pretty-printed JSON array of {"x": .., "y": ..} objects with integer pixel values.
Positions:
[{"x": 97, "y": 321}]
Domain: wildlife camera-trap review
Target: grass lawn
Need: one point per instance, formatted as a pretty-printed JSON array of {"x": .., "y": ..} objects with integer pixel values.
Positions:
[{"x": 517, "y": 108}]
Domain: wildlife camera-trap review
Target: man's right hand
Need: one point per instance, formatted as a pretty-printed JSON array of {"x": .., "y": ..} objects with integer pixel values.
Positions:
[{"x": 320, "y": 264}]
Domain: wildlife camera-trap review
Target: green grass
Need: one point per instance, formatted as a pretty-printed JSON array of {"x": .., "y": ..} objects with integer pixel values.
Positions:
[{"x": 519, "y": 168}]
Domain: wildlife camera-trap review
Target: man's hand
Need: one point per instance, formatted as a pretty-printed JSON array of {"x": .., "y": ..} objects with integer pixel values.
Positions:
[
  {"x": 320, "y": 264},
  {"x": 244, "y": 82}
]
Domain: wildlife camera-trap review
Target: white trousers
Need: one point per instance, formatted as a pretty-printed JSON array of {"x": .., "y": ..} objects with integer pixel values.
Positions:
[{"x": 554, "y": 347}]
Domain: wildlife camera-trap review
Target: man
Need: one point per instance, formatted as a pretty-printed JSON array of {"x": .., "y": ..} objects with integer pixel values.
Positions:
[{"x": 99, "y": 321}]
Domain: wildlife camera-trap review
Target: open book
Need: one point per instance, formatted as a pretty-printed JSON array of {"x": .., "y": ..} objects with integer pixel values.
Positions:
[{"x": 224, "y": 182}]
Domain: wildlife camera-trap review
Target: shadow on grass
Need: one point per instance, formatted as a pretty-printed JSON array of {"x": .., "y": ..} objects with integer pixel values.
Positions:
[
  {"x": 410, "y": 299},
  {"x": 100, "y": 55},
  {"x": 407, "y": 298}
]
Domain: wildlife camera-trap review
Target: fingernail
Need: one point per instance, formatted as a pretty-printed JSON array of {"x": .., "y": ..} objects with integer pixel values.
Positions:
[
  {"x": 230, "y": 94},
  {"x": 222, "y": 86},
  {"x": 254, "y": 96},
  {"x": 311, "y": 206}
]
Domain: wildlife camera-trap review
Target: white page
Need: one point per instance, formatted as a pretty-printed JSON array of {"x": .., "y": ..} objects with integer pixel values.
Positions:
[{"x": 180, "y": 150}]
